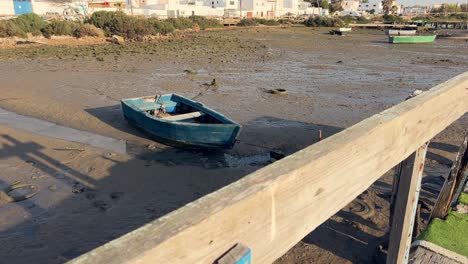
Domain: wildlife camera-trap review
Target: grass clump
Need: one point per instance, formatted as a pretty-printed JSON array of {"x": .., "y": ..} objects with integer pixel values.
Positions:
[
  {"x": 163, "y": 27},
  {"x": 267, "y": 22},
  {"x": 59, "y": 28},
  {"x": 9, "y": 29},
  {"x": 451, "y": 233},
  {"x": 247, "y": 22},
  {"x": 87, "y": 30},
  {"x": 30, "y": 23},
  {"x": 356, "y": 20},
  {"x": 180, "y": 22},
  {"x": 323, "y": 22},
  {"x": 204, "y": 22},
  {"x": 251, "y": 22},
  {"x": 463, "y": 198},
  {"x": 393, "y": 19},
  {"x": 135, "y": 28}
]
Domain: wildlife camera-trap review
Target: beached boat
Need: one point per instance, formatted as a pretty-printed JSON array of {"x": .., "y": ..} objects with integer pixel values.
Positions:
[
  {"x": 401, "y": 32},
  {"x": 345, "y": 29},
  {"x": 178, "y": 121},
  {"x": 336, "y": 32},
  {"x": 411, "y": 39}
]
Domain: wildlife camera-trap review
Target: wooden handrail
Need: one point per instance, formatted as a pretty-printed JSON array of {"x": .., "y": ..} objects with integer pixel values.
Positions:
[{"x": 273, "y": 208}]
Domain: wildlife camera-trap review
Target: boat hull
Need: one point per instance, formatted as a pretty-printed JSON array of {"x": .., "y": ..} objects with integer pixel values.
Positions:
[
  {"x": 182, "y": 134},
  {"x": 411, "y": 39}
]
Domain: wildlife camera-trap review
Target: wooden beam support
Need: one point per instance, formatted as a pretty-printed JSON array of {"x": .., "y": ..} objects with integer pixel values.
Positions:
[
  {"x": 462, "y": 174},
  {"x": 406, "y": 205},
  {"x": 448, "y": 190},
  {"x": 273, "y": 208}
]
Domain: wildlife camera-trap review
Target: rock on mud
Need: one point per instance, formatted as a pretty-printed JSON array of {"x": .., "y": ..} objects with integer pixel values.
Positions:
[{"x": 117, "y": 40}]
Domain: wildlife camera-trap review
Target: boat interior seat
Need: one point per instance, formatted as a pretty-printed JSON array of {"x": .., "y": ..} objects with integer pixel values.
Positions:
[
  {"x": 184, "y": 116},
  {"x": 146, "y": 106}
]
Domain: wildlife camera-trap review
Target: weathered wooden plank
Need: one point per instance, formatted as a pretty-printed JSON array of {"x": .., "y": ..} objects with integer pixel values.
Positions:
[
  {"x": 183, "y": 116},
  {"x": 447, "y": 192},
  {"x": 275, "y": 207},
  {"x": 406, "y": 205},
  {"x": 429, "y": 253}
]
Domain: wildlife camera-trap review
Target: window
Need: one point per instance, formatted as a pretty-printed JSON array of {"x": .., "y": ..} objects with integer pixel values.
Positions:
[{"x": 231, "y": 3}]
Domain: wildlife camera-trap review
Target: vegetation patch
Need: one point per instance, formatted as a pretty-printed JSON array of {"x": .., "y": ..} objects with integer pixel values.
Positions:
[
  {"x": 251, "y": 22},
  {"x": 205, "y": 23},
  {"x": 247, "y": 22},
  {"x": 59, "y": 28},
  {"x": 393, "y": 19},
  {"x": 30, "y": 23},
  {"x": 355, "y": 20},
  {"x": 463, "y": 198},
  {"x": 87, "y": 30},
  {"x": 135, "y": 28},
  {"x": 102, "y": 23},
  {"x": 451, "y": 233},
  {"x": 9, "y": 29},
  {"x": 323, "y": 22}
]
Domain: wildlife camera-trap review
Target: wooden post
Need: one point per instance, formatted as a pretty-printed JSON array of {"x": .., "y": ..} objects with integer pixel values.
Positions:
[
  {"x": 405, "y": 206},
  {"x": 451, "y": 183},
  {"x": 396, "y": 181},
  {"x": 462, "y": 174}
]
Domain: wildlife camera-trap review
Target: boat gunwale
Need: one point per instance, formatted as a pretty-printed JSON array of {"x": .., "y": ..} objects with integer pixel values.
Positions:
[
  {"x": 430, "y": 39},
  {"x": 231, "y": 123}
]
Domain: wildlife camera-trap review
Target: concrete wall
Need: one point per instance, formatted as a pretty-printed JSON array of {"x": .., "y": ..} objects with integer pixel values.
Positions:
[
  {"x": 42, "y": 7},
  {"x": 6, "y": 7}
]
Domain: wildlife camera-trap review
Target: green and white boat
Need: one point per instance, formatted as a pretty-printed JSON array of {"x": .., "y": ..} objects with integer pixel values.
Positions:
[{"x": 411, "y": 39}]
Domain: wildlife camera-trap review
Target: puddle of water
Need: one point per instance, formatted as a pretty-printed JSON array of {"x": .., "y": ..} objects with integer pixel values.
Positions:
[{"x": 236, "y": 162}]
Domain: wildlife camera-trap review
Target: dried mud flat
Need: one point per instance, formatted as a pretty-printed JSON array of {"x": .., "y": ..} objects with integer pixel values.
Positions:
[{"x": 88, "y": 197}]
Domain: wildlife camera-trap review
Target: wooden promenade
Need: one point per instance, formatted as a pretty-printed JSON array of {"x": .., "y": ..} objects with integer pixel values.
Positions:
[{"x": 272, "y": 209}]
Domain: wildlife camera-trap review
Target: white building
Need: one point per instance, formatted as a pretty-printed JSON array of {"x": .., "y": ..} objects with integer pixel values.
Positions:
[
  {"x": 415, "y": 10},
  {"x": 350, "y": 5},
  {"x": 372, "y": 6},
  {"x": 167, "y": 8},
  {"x": 42, "y": 7}
]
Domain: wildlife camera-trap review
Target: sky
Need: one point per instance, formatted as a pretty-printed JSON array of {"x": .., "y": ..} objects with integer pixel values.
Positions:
[{"x": 428, "y": 2}]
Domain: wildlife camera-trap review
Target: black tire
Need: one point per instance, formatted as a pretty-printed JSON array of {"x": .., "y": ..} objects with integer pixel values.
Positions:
[
  {"x": 34, "y": 191},
  {"x": 279, "y": 91}
]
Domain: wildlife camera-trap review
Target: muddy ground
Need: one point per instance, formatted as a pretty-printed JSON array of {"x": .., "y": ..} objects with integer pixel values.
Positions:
[{"x": 88, "y": 196}]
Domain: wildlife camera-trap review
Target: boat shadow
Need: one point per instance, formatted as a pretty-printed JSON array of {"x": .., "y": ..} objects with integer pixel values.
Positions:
[{"x": 258, "y": 136}]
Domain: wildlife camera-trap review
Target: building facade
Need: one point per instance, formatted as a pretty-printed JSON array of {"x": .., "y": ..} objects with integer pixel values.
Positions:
[
  {"x": 166, "y": 8},
  {"x": 371, "y": 6}
]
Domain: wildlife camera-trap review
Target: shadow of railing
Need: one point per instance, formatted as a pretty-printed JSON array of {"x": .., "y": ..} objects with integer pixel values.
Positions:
[{"x": 132, "y": 191}]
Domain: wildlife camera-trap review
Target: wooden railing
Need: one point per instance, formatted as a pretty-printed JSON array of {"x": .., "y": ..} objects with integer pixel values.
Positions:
[{"x": 273, "y": 208}]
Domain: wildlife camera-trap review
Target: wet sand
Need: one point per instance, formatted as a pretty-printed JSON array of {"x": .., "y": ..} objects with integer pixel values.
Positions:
[{"x": 333, "y": 82}]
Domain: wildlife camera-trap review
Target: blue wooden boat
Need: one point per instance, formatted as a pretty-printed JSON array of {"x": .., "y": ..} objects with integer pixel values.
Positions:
[{"x": 178, "y": 121}]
